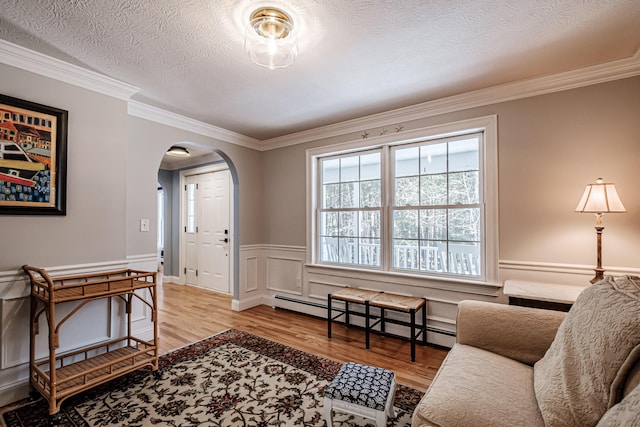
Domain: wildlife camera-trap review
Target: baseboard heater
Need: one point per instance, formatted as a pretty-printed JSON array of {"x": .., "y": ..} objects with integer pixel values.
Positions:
[{"x": 324, "y": 307}]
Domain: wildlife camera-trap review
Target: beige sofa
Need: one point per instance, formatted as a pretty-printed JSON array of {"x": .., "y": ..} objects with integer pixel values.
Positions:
[{"x": 518, "y": 366}]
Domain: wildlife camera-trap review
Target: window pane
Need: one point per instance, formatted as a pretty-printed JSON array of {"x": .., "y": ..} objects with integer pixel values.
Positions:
[
  {"x": 370, "y": 192},
  {"x": 464, "y": 188},
  {"x": 350, "y": 169},
  {"x": 349, "y": 195},
  {"x": 329, "y": 249},
  {"x": 348, "y": 250},
  {"x": 433, "y": 224},
  {"x": 370, "y": 166},
  {"x": 433, "y": 159},
  {"x": 464, "y": 224},
  {"x": 330, "y": 171},
  {"x": 331, "y": 199},
  {"x": 405, "y": 254},
  {"x": 463, "y": 155},
  {"x": 329, "y": 223},
  {"x": 464, "y": 258},
  {"x": 348, "y": 224},
  {"x": 433, "y": 256},
  {"x": 405, "y": 224},
  {"x": 370, "y": 252},
  {"x": 407, "y": 161},
  {"x": 370, "y": 224},
  {"x": 407, "y": 191},
  {"x": 433, "y": 190}
]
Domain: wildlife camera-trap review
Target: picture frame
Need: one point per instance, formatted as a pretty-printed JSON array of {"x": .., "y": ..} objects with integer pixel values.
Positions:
[{"x": 33, "y": 158}]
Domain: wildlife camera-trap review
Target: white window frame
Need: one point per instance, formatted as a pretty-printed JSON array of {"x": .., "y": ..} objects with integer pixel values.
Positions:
[{"x": 489, "y": 187}]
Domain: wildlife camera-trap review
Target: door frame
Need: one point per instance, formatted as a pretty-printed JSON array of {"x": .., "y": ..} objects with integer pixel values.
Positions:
[{"x": 216, "y": 167}]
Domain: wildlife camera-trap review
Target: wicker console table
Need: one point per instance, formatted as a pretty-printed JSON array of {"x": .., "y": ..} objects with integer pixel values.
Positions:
[
  {"x": 59, "y": 376},
  {"x": 382, "y": 301}
]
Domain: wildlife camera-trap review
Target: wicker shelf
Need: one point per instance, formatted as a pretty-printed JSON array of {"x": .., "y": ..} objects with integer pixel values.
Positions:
[{"x": 60, "y": 376}]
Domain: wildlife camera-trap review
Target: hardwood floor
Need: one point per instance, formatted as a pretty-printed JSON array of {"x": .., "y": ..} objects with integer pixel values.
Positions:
[{"x": 188, "y": 314}]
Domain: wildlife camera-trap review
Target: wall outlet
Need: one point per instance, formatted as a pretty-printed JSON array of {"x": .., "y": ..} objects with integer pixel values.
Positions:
[{"x": 144, "y": 224}]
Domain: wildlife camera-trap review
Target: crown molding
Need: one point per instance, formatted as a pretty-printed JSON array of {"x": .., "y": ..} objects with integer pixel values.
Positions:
[
  {"x": 601, "y": 73},
  {"x": 29, "y": 60},
  {"x": 168, "y": 118},
  {"x": 26, "y": 59}
]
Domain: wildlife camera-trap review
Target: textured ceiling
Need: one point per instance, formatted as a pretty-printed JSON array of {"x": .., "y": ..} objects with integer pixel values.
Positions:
[{"x": 356, "y": 57}]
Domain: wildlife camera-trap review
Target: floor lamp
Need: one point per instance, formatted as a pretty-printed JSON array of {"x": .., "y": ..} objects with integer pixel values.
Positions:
[{"x": 600, "y": 197}]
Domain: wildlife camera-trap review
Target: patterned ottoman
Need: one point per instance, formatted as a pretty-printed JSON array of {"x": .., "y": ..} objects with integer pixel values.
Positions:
[{"x": 361, "y": 390}]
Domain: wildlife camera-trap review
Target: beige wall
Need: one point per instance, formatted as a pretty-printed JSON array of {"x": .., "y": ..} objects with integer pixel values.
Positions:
[
  {"x": 148, "y": 143},
  {"x": 94, "y": 228},
  {"x": 113, "y": 162},
  {"x": 550, "y": 147}
]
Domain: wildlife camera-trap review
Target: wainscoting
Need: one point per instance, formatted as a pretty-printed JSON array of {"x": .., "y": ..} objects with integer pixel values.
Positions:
[
  {"x": 272, "y": 275},
  {"x": 279, "y": 276}
]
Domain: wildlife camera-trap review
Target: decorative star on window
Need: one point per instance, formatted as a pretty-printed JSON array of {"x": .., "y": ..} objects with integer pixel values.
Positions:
[
  {"x": 365, "y": 135},
  {"x": 399, "y": 128},
  {"x": 383, "y": 131}
]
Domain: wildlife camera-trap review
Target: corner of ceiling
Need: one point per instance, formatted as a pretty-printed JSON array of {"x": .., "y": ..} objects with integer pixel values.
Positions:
[{"x": 29, "y": 60}]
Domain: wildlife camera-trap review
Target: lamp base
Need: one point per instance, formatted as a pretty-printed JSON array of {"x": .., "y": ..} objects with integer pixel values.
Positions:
[{"x": 599, "y": 275}]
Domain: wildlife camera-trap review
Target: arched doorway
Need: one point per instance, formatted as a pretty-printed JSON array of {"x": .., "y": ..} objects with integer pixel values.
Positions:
[{"x": 172, "y": 175}]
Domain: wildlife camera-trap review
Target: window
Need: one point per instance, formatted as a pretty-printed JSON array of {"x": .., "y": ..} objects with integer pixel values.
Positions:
[
  {"x": 351, "y": 209},
  {"x": 426, "y": 205},
  {"x": 436, "y": 208}
]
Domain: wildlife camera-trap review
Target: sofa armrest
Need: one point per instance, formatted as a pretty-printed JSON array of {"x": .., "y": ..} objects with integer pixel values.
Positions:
[{"x": 520, "y": 333}]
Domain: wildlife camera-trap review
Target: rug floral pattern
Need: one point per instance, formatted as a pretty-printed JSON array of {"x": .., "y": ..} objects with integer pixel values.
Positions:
[{"x": 231, "y": 379}]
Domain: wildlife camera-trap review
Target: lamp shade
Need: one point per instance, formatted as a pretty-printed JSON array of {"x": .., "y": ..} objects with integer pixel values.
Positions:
[{"x": 600, "y": 197}]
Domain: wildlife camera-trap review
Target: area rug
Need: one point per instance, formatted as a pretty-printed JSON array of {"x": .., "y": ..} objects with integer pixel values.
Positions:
[{"x": 231, "y": 379}]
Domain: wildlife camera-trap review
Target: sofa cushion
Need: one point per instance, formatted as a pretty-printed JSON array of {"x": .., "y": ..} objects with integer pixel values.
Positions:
[
  {"x": 584, "y": 371},
  {"x": 475, "y": 387},
  {"x": 625, "y": 413}
]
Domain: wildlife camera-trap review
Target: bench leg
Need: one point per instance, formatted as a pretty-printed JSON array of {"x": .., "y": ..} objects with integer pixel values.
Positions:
[
  {"x": 413, "y": 335},
  {"x": 366, "y": 324},
  {"x": 329, "y": 315},
  {"x": 424, "y": 322}
]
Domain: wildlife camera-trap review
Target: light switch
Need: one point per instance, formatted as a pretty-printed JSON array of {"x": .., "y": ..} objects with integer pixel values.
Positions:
[{"x": 144, "y": 224}]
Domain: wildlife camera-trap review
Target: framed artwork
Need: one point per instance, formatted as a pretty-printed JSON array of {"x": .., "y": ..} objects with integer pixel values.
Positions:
[{"x": 33, "y": 158}]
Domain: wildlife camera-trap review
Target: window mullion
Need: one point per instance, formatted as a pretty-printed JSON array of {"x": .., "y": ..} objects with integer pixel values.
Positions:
[{"x": 387, "y": 187}]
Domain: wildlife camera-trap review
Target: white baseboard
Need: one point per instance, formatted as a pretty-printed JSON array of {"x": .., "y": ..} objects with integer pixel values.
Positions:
[
  {"x": 247, "y": 303},
  {"x": 11, "y": 393}
]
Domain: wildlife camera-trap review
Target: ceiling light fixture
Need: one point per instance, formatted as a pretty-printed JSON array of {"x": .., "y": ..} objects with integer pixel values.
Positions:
[
  {"x": 269, "y": 38},
  {"x": 177, "y": 151}
]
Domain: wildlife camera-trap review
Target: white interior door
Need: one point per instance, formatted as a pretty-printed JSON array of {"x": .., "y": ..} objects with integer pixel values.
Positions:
[
  {"x": 219, "y": 225},
  {"x": 207, "y": 235}
]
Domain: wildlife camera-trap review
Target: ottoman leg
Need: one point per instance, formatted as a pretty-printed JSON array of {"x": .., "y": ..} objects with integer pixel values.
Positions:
[
  {"x": 328, "y": 413},
  {"x": 392, "y": 397}
]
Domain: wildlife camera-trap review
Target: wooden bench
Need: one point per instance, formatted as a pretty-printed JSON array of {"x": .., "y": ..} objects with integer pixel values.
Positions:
[{"x": 383, "y": 301}]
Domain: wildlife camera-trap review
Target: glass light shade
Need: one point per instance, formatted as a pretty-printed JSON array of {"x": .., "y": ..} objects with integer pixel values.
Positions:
[
  {"x": 270, "y": 40},
  {"x": 177, "y": 151},
  {"x": 600, "y": 197}
]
